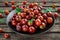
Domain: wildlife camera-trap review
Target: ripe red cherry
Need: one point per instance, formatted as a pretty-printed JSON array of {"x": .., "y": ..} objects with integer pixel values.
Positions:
[
  {"x": 31, "y": 10},
  {"x": 41, "y": 18},
  {"x": 24, "y": 21},
  {"x": 45, "y": 21},
  {"x": 41, "y": 7},
  {"x": 44, "y": 2},
  {"x": 6, "y": 12},
  {"x": 36, "y": 11},
  {"x": 18, "y": 27},
  {"x": 28, "y": 17},
  {"x": 24, "y": 2},
  {"x": 44, "y": 16},
  {"x": 31, "y": 14},
  {"x": 13, "y": 7},
  {"x": 56, "y": 15},
  {"x": 37, "y": 22},
  {"x": 32, "y": 29},
  {"x": 1, "y": 15},
  {"x": 18, "y": 18},
  {"x": 13, "y": 23},
  {"x": 6, "y": 3},
  {"x": 6, "y": 35},
  {"x": 23, "y": 15},
  {"x": 25, "y": 28},
  {"x": 49, "y": 20},
  {"x": 1, "y": 30},
  {"x": 12, "y": 2},
  {"x": 49, "y": 14},
  {"x": 58, "y": 10},
  {"x": 43, "y": 25},
  {"x": 31, "y": 5}
]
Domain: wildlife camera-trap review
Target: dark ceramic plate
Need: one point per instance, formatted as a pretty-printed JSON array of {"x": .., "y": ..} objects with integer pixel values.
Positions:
[{"x": 38, "y": 32}]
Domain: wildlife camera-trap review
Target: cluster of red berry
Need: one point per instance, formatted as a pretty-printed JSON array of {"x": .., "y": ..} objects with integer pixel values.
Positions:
[{"x": 31, "y": 18}]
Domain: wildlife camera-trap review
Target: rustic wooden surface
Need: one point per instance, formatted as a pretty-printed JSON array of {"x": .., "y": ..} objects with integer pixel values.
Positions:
[{"x": 53, "y": 34}]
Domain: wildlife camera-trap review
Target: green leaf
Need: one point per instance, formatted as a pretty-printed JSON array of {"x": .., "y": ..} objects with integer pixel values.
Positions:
[
  {"x": 2, "y": 20},
  {"x": 1, "y": 11},
  {"x": 51, "y": 9},
  {"x": 18, "y": 10},
  {"x": 44, "y": 11}
]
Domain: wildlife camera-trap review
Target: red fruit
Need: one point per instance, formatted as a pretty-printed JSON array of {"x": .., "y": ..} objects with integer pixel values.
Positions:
[
  {"x": 6, "y": 3},
  {"x": 44, "y": 2},
  {"x": 36, "y": 11},
  {"x": 45, "y": 21},
  {"x": 58, "y": 10},
  {"x": 32, "y": 29},
  {"x": 31, "y": 10},
  {"x": 24, "y": 2},
  {"x": 6, "y": 12},
  {"x": 13, "y": 23},
  {"x": 28, "y": 17},
  {"x": 23, "y": 15},
  {"x": 49, "y": 20},
  {"x": 25, "y": 28},
  {"x": 43, "y": 25},
  {"x": 18, "y": 18},
  {"x": 18, "y": 27},
  {"x": 35, "y": 4},
  {"x": 49, "y": 14},
  {"x": 32, "y": 14},
  {"x": 40, "y": 17},
  {"x": 1, "y": 30},
  {"x": 56, "y": 15},
  {"x": 44, "y": 16},
  {"x": 24, "y": 21},
  {"x": 31, "y": 5},
  {"x": 1, "y": 15},
  {"x": 13, "y": 7},
  {"x": 12, "y": 2},
  {"x": 6, "y": 35},
  {"x": 41, "y": 7},
  {"x": 37, "y": 22}
]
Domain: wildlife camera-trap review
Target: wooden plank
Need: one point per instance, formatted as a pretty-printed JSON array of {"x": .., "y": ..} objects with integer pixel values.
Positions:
[
  {"x": 47, "y": 36},
  {"x": 31, "y": 0},
  {"x": 48, "y": 4}
]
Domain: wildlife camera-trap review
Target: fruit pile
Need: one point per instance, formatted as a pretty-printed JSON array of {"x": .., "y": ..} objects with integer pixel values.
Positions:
[{"x": 30, "y": 19}]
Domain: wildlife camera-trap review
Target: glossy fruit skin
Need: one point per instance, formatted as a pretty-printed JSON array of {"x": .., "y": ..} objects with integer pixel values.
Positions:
[
  {"x": 24, "y": 21},
  {"x": 36, "y": 11},
  {"x": 31, "y": 5},
  {"x": 13, "y": 7},
  {"x": 6, "y": 35},
  {"x": 56, "y": 15},
  {"x": 24, "y": 2},
  {"x": 49, "y": 14},
  {"x": 44, "y": 2},
  {"x": 1, "y": 30},
  {"x": 18, "y": 27},
  {"x": 41, "y": 18},
  {"x": 12, "y": 2},
  {"x": 25, "y": 28},
  {"x": 45, "y": 16},
  {"x": 28, "y": 17},
  {"x": 43, "y": 25},
  {"x": 45, "y": 21},
  {"x": 58, "y": 10},
  {"x": 13, "y": 23},
  {"x": 37, "y": 22},
  {"x": 35, "y": 4},
  {"x": 23, "y": 15},
  {"x": 6, "y": 3},
  {"x": 31, "y": 14},
  {"x": 31, "y": 10},
  {"x": 1, "y": 15},
  {"x": 49, "y": 20},
  {"x": 6, "y": 12},
  {"x": 32, "y": 29}
]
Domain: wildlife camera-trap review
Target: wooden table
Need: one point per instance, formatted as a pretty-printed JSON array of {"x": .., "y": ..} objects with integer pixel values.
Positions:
[{"x": 53, "y": 34}]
